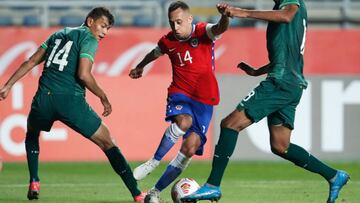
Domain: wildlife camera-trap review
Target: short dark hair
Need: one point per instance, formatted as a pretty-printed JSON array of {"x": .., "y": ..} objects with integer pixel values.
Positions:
[
  {"x": 98, "y": 12},
  {"x": 178, "y": 4}
]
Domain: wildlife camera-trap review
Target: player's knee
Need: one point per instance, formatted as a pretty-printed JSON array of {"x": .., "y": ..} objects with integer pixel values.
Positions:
[
  {"x": 188, "y": 151},
  {"x": 184, "y": 123},
  {"x": 278, "y": 149},
  {"x": 228, "y": 123},
  {"x": 102, "y": 138}
]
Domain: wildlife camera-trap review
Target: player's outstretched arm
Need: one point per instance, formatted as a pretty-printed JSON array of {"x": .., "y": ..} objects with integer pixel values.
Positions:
[
  {"x": 253, "y": 72},
  {"x": 90, "y": 83},
  {"x": 284, "y": 15},
  {"x": 151, "y": 56},
  {"x": 24, "y": 68},
  {"x": 223, "y": 23}
]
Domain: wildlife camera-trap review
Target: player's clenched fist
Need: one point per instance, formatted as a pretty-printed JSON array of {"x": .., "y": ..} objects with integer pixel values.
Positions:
[
  {"x": 136, "y": 73},
  {"x": 221, "y": 7},
  {"x": 4, "y": 92}
]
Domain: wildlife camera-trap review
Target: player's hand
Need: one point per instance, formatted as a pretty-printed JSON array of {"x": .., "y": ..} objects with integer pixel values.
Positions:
[
  {"x": 4, "y": 91},
  {"x": 248, "y": 69},
  {"x": 107, "y": 106},
  {"x": 231, "y": 11},
  {"x": 221, "y": 7},
  {"x": 136, "y": 73}
]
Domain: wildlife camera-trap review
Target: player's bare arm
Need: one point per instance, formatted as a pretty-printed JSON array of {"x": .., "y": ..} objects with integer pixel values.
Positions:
[
  {"x": 24, "y": 68},
  {"x": 90, "y": 83},
  {"x": 252, "y": 71},
  {"x": 223, "y": 23},
  {"x": 151, "y": 56},
  {"x": 284, "y": 15}
]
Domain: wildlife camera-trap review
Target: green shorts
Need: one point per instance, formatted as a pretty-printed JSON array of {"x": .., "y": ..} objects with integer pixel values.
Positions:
[
  {"x": 72, "y": 110},
  {"x": 273, "y": 100}
]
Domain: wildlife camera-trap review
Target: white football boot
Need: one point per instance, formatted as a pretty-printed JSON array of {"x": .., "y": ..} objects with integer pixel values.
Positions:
[{"x": 145, "y": 169}]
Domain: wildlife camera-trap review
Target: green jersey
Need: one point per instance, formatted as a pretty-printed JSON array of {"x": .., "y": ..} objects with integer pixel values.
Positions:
[
  {"x": 285, "y": 45},
  {"x": 63, "y": 51}
]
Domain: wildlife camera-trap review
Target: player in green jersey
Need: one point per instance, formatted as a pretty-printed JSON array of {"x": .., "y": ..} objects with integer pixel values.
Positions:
[
  {"x": 275, "y": 98},
  {"x": 68, "y": 57}
]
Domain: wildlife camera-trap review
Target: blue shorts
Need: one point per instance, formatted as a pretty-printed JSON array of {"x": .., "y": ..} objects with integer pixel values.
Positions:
[{"x": 201, "y": 114}]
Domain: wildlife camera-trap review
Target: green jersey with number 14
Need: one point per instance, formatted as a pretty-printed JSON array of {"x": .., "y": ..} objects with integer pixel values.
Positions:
[
  {"x": 286, "y": 45},
  {"x": 63, "y": 51}
]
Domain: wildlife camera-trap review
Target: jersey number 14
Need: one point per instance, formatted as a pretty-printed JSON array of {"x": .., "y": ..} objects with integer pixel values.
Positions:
[
  {"x": 64, "y": 53},
  {"x": 187, "y": 57}
]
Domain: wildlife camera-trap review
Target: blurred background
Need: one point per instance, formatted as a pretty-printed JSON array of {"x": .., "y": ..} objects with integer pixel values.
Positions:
[
  {"x": 153, "y": 13},
  {"x": 327, "y": 121}
]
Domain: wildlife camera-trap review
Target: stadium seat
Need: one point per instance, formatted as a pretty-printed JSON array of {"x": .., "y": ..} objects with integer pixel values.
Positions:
[
  {"x": 6, "y": 21},
  {"x": 143, "y": 21},
  {"x": 22, "y": 8},
  {"x": 71, "y": 21},
  {"x": 31, "y": 20}
]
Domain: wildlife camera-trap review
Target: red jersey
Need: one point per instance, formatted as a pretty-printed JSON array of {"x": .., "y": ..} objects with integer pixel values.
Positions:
[{"x": 192, "y": 63}]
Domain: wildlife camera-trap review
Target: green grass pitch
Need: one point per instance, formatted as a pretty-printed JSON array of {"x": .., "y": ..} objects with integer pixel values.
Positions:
[{"x": 244, "y": 181}]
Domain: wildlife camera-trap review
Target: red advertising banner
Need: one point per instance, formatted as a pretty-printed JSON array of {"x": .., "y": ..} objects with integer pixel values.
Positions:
[
  {"x": 326, "y": 51},
  {"x": 137, "y": 122}
]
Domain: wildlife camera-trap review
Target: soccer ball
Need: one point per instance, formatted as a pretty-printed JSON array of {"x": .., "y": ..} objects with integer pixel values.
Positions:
[{"x": 182, "y": 188}]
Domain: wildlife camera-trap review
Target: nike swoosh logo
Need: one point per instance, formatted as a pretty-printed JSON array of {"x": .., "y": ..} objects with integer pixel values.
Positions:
[{"x": 170, "y": 50}]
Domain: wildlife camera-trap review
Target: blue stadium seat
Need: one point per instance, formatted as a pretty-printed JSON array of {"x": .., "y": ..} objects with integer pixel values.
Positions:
[
  {"x": 22, "y": 8},
  {"x": 59, "y": 7},
  {"x": 31, "y": 20},
  {"x": 71, "y": 21},
  {"x": 143, "y": 21},
  {"x": 119, "y": 21},
  {"x": 6, "y": 21}
]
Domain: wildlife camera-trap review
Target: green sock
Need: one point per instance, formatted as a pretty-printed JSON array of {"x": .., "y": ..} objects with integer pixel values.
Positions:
[
  {"x": 223, "y": 151},
  {"x": 32, "y": 154},
  {"x": 304, "y": 159},
  {"x": 122, "y": 168}
]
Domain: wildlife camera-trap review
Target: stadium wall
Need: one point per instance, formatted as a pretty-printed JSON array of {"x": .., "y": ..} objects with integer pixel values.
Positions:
[{"x": 327, "y": 118}]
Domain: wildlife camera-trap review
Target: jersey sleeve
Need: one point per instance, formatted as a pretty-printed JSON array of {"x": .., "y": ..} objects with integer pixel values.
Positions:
[
  {"x": 88, "y": 48},
  {"x": 288, "y": 2},
  {"x": 209, "y": 32},
  {"x": 45, "y": 44},
  {"x": 162, "y": 45}
]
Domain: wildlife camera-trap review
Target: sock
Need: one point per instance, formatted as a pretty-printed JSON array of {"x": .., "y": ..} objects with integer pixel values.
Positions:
[
  {"x": 122, "y": 168},
  {"x": 174, "y": 169},
  {"x": 171, "y": 135},
  {"x": 304, "y": 159},
  {"x": 32, "y": 154},
  {"x": 223, "y": 151}
]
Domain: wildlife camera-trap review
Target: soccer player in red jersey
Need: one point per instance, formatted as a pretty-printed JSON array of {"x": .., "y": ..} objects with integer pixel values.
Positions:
[{"x": 192, "y": 93}]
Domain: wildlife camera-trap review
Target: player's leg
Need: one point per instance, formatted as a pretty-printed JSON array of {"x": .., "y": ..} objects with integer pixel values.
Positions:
[
  {"x": 176, "y": 129},
  {"x": 180, "y": 162},
  {"x": 41, "y": 117},
  {"x": 193, "y": 143},
  {"x": 257, "y": 105},
  {"x": 93, "y": 129},
  {"x": 281, "y": 123},
  {"x": 281, "y": 146},
  {"x": 118, "y": 162},
  {"x": 175, "y": 167},
  {"x": 180, "y": 114},
  {"x": 32, "y": 156},
  {"x": 230, "y": 127},
  {"x": 180, "y": 124}
]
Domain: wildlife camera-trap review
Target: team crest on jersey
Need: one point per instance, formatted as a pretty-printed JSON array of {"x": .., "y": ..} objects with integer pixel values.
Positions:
[
  {"x": 194, "y": 42},
  {"x": 178, "y": 107}
]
